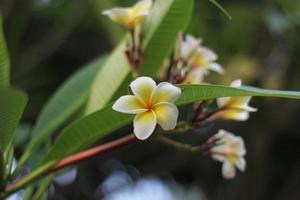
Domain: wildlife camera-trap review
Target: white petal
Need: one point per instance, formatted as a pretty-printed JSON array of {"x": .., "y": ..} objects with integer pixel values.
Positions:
[
  {"x": 144, "y": 124},
  {"x": 119, "y": 15},
  {"x": 222, "y": 102},
  {"x": 236, "y": 83},
  {"x": 228, "y": 170},
  {"x": 165, "y": 92},
  {"x": 241, "y": 164},
  {"x": 216, "y": 68},
  {"x": 195, "y": 76},
  {"x": 142, "y": 7},
  {"x": 188, "y": 46},
  {"x": 129, "y": 104},
  {"x": 167, "y": 115},
  {"x": 143, "y": 87},
  {"x": 208, "y": 54}
]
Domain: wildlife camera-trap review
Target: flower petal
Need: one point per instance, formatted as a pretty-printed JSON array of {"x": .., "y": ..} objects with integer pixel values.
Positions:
[
  {"x": 142, "y": 8},
  {"x": 234, "y": 114},
  {"x": 188, "y": 46},
  {"x": 165, "y": 92},
  {"x": 236, "y": 83},
  {"x": 167, "y": 115},
  {"x": 195, "y": 76},
  {"x": 228, "y": 170},
  {"x": 144, "y": 124},
  {"x": 120, "y": 15},
  {"x": 241, "y": 103},
  {"x": 129, "y": 104},
  {"x": 143, "y": 87},
  {"x": 241, "y": 164},
  {"x": 216, "y": 68}
]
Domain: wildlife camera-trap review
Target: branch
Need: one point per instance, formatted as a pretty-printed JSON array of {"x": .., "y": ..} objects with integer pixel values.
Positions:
[{"x": 51, "y": 167}]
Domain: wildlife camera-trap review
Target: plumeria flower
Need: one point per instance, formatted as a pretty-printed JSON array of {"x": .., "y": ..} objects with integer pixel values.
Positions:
[
  {"x": 130, "y": 17},
  {"x": 152, "y": 104},
  {"x": 235, "y": 108},
  {"x": 230, "y": 150}
]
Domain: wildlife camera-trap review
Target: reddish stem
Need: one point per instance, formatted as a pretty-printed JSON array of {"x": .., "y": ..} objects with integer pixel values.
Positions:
[{"x": 84, "y": 155}]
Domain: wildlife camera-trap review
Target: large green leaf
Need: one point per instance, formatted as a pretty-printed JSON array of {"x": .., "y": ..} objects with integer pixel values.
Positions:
[
  {"x": 68, "y": 99},
  {"x": 93, "y": 127},
  {"x": 12, "y": 104},
  {"x": 167, "y": 18},
  {"x": 4, "y": 59}
]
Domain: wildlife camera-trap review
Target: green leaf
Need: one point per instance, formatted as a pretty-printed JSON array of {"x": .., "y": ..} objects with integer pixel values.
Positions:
[
  {"x": 68, "y": 99},
  {"x": 167, "y": 18},
  {"x": 193, "y": 93},
  {"x": 221, "y": 8},
  {"x": 112, "y": 74},
  {"x": 86, "y": 131},
  {"x": 12, "y": 104},
  {"x": 4, "y": 59},
  {"x": 91, "y": 128}
]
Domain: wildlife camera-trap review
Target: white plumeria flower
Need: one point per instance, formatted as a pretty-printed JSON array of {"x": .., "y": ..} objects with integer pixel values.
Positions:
[
  {"x": 130, "y": 17},
  {"x": 230, "y": 150},
  {"x": 152, "y": 104},
  {"x": 189, "y": 46},
  {"x": 235, "y": 108}
]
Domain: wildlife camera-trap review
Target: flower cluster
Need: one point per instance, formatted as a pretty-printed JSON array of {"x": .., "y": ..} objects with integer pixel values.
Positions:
[
  {"x": 154, "y": 104},
  {"x": 193, "y": 61}
]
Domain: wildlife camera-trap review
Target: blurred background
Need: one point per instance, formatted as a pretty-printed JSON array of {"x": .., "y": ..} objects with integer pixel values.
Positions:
[{"x": 48, "y": 40}]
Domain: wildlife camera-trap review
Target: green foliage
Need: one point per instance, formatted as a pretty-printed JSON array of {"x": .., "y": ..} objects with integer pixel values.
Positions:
[
  {"x": 12, "y": 104},
  {"x": 109, "y": 79},
  {"x": 89, "y": 129},
  {"x": 167, "y": 19},
  {"x": 86, "y": 131},
  {"x": 67, "y": 100},
  {"x": 4, "y": 59}
]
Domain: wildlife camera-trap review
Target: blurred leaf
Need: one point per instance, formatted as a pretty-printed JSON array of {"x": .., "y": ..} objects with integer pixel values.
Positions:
[
  {"x": 4, "y": 59},
  {"x": 168, "y": 17},
  {"x": 221, "y": 8},
  {"x": 109, "y": 79},
  {"x": 12, "y": 104},
  {"x": 89, "y": 129},
  {"x": 68, "y": 99}
]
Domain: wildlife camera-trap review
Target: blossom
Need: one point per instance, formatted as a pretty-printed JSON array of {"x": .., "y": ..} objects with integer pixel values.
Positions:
[
  {"x": 130, "y": 17},
  {"x": 235, "y": 108},
  {"x": 199, "y": 58},
  {"x": 230, "y": 150},
  {"x": 152, "y": 104}
]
